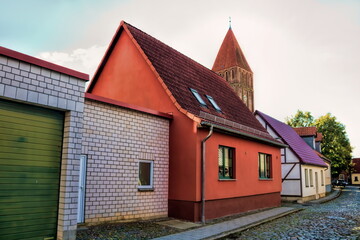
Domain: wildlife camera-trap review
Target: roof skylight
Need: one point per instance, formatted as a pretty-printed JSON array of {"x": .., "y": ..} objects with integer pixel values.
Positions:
[
  {"x": 198, "y": 97},
  {"x": 212, "y": 101}
]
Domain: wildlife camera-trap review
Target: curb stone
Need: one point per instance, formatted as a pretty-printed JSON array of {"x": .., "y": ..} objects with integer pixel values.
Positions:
[
  {"x": 224, "y": 234},
  {"x": 327, "y": 199}
]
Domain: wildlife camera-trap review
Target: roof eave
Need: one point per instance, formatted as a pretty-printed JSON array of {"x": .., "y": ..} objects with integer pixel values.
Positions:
[
  {"x": 315, "y": 165},
  {"x": 242, "y": 134}
]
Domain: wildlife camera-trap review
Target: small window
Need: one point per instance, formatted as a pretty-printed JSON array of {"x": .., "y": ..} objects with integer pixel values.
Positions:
[
  {"x": 146, "y": 169},
  {"x": 306, "y": 178},
  {"x": 212, "y": 101},
  {"x": 198, "y": 97},
  {"x": 311, "y": 178},
  {"x": 356, "y": 179},
  {"x": 322, "y": 177},
  {"x": 264, "y": 166},
  {"x": 226, "y": 162}
]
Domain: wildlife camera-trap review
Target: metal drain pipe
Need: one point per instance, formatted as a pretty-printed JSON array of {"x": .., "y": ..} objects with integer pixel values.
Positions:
[{"x": 203, "y": 173}]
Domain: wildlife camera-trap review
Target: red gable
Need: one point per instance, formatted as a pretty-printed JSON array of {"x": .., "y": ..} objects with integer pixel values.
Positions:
[
  {"x": 180, "y": 74},
  {"x": 306, "y": 131}
]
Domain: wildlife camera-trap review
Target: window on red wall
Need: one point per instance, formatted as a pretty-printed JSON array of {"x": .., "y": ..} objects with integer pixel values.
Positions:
[
  {"x": 226, "y": 162},
  {"x": 264, "y": 166}
]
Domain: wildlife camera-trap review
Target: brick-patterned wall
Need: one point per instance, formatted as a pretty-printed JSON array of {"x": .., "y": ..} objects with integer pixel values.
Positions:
[
  {"x": 114, "y": 140},
  {"x": 28, "y": 83}
]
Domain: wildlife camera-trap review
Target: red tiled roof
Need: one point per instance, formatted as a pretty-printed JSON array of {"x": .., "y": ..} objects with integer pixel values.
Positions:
[
  {"x": 304, "y": 152},
  {"x": 319, "y": 137},
  {"x": 322, "y": 156},
  {"x": 230, "y": 54},
  {"x": 306, "y": 131},
  {"x": 180, "y": 73},
  {"x": 357, "y": 165}
]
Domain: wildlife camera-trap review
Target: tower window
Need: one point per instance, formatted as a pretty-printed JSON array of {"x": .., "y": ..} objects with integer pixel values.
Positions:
[
  {"x": 212, "y": 101},
  {"x": 198, "y": 97}
]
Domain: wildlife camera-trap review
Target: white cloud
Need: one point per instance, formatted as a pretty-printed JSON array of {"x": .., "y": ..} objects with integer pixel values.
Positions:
[
  {"x": 304, "y": 54},
  {"x": 81, "y": 59}
]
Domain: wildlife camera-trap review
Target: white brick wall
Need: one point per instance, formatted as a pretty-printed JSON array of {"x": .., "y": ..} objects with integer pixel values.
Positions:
[
  {"x": 31, "y": 84},
  {"x": 114, "y": 140}
]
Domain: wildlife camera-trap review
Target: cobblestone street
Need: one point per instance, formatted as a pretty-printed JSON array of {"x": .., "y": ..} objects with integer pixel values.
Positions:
[{"x": 337, "y": 219}]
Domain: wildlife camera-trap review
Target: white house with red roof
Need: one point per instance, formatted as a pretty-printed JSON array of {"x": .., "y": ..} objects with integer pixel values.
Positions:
[
  {"x": 303, "y": 171},
  {"x": 313, "y": 138}
]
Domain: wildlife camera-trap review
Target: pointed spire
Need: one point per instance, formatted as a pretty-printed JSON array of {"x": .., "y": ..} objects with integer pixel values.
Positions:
[
  {"x": 229, "y": 22},
  {"x": 230, "y": 54}
]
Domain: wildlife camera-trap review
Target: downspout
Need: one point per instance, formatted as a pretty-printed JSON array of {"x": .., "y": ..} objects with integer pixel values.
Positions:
[{"x": 203, "y": 172}]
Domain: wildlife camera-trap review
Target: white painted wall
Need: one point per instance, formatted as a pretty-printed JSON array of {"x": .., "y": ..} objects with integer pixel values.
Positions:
[
  {"x": 311, "y": 190},
  {"x": 261, "y": 120},
  {"x": 295, "y": 172},
  {"x": 327, "y": 174},
  {"x": 290, "y": 156},
  {"x": 291, "y": 188}
]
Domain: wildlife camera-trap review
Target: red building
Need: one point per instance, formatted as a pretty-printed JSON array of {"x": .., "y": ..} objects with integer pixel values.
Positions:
[
  {"x": 355, "y": 174},
  {"x": 222, "y": 161}
]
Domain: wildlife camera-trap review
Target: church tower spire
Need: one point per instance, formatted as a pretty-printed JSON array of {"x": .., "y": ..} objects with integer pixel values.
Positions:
[{"x": 231, "y": 64}]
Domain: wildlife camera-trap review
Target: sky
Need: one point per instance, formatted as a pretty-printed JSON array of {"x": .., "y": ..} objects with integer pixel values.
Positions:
[{"x": 304, "y": 54}]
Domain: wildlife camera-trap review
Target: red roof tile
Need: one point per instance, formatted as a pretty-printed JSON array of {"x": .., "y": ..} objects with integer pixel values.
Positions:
[
  {"x": 322, "y": 156},
  {"x": 357, "y": 165},
  {"x": 319, "y": 137},
  {"x": 230, "y": 54},
  {"x": 306, "y": 131},
  {"x": 180, "y": 73}
]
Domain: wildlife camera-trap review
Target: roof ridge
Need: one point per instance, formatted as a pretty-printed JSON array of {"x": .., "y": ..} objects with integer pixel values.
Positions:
[
  {"x": 290, "y": 137},
  {"x": 174, "y": 49},
  {"x": 177, "y": 73}
]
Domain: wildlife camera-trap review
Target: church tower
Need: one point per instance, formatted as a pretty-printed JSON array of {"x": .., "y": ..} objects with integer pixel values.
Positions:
[{"x": 230, "y": 63}]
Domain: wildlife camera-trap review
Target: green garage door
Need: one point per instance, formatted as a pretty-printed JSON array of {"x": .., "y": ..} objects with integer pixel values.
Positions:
[{"x": 30, "y": 159}]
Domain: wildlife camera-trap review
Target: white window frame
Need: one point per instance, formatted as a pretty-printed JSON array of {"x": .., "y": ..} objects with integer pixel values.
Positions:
[
  {"x": 198, "y": 97},
  {"x": 306, "y": 177},
  {"x": 311, "y": 178},
  {"x": 151, "y": 186},
  {"x": 212, "y": 101}
]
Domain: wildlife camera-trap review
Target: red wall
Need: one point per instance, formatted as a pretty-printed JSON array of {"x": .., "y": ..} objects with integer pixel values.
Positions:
[
  {"x": 127, "y": 77},
  {"x": 246, "y": 168}
]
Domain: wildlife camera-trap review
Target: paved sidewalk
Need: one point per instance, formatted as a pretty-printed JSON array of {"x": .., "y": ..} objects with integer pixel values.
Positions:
[
  {"x": 334, "y": 194},
  {"x": 217, "y": 230}
]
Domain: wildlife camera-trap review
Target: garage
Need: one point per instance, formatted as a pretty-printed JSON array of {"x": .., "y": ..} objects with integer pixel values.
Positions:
[{"x": 30, "y": 163}]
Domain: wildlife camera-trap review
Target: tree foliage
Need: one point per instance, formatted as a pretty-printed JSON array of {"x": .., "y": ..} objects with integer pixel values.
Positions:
[
  {"x": 301, "y": 119},
  {"x": 335, "y": 144}
]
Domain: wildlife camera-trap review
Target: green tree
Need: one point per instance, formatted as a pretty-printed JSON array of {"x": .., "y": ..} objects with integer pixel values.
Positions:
[
  {"x": 301, "y": 119},
  {"x": 335, "y": 144}
]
